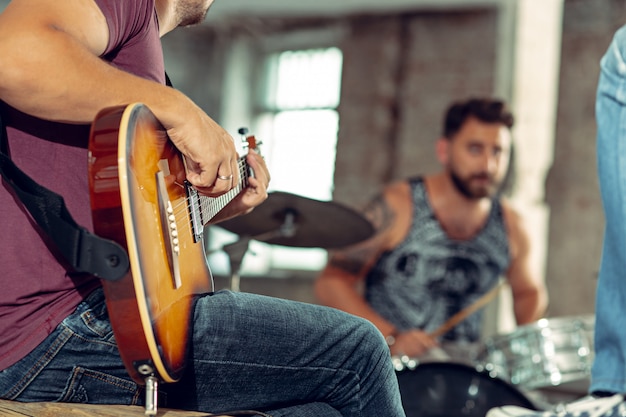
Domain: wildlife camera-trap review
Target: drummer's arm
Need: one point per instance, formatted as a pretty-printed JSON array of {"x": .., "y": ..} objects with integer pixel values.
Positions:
[
  {"x": 530, "y": 297},
  {"x": 339, "y": 285}
]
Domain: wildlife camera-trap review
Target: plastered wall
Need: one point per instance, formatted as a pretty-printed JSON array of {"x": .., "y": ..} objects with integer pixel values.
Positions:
[{"x": 400, "y": 72}]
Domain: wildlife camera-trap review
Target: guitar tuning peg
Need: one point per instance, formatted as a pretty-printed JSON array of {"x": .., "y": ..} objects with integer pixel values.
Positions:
[
  {"x": 243, "y": 131},
  {"x": 249, "y": 140}
]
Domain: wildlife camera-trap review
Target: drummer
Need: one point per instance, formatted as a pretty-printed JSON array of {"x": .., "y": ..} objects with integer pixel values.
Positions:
[{"x": 442, "y": 242}]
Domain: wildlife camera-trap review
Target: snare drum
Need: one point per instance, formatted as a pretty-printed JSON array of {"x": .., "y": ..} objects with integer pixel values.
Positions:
[
  {"x": 547, "y": 353},
  {"x": 449, "y": 389}
]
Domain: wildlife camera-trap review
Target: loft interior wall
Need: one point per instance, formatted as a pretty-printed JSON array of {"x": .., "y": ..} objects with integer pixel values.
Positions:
[
  {"x": 392, "y": 106},
  {"x": 576, "y": 221},
  {"x": 400, "y": 72}
]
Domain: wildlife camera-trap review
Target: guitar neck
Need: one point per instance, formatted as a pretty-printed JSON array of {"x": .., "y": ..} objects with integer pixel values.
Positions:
[
  {"x": 211, "y": 206},
  {"x": 202, "y": 209}
]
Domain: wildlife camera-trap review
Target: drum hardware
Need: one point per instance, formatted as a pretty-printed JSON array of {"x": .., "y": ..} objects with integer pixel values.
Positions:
[
  {"x": 236, "y": 252},
  {"x": 404, "y": 362},
  {"x": 291, "y": 220}
]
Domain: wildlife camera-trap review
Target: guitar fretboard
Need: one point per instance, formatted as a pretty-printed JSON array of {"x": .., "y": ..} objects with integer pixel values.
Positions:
[{"x": 204, "y": 208}]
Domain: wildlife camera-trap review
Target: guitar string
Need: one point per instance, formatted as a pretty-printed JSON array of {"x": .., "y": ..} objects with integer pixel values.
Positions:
[
  {"x": 211, "y": 206},
  {"x": 214, "y": 205},
  {"x": 205, "y": 201},
  {"x": 208, "y": 207},
  {"x": 182, "y": 205}
]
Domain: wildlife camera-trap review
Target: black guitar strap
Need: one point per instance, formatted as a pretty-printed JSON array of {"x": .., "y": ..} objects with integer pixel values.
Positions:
[{"x": 84, "y": 251}]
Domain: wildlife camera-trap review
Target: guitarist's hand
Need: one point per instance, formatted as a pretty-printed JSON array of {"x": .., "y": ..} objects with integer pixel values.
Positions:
[
  {"x": 251, "y": 196},
  {"x": 209, "y": 151}
]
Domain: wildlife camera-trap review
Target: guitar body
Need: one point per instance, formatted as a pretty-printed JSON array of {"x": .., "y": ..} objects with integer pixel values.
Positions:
[{"x": 139, "y": 199}]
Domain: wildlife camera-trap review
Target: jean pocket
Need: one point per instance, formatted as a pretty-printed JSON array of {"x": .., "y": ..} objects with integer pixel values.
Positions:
[
  {"x": 98, "y": 325},
  {"x": 95, "y": 387}
]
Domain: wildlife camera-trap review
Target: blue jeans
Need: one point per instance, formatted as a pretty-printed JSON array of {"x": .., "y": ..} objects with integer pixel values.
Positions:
[
  {"x": 609, "y": 368},
  {"x": 247, "y": 352}
]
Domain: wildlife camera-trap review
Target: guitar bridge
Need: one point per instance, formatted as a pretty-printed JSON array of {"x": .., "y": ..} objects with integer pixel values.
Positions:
[{"x": 169, "y": 229}]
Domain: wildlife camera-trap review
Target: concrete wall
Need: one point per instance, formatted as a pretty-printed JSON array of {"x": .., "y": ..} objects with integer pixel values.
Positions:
[
  {"x": 400, "y": 72},
  {"x": 413, "y": 66},
  {"x": 577, "y": 221}
]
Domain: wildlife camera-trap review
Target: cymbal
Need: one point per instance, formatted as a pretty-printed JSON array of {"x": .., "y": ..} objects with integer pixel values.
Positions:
[{"x": 291, "y": 220}]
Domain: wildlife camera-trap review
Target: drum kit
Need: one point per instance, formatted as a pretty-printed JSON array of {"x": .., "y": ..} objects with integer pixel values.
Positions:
[
  {"x": 554, "y": 352},
  {"x": 530, "y": 367},
  {"x": 537, "y": 366},
  {"x": 287, "y": 219},
  {"x": 291, "y": 220}
]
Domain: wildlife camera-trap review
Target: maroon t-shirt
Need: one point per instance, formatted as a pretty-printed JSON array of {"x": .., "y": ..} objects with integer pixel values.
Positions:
[{"x": 37, "y": 291}]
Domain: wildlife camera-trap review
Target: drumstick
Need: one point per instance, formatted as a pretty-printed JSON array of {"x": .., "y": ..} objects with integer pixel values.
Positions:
[{"x": 462, "y": 315}]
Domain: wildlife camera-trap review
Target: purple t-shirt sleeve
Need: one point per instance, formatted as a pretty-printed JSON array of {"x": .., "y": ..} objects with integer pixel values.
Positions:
[
  {"x": 37, "y": 294},
  {"x": 134, "y": 44}
]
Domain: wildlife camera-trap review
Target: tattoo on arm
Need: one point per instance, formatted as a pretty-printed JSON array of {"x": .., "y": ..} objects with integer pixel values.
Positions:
[
  {"x": 379, "y": 213},
  {"x": 354, "y": 260},
  {"x": 351, "y": 261}
]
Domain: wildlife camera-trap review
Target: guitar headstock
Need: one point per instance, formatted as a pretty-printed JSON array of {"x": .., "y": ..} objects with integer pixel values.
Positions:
[{"x": 249, "y": 140}]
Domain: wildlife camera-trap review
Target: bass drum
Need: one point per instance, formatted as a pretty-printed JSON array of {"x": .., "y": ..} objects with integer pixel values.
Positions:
[{"x": 450, "y": 389}]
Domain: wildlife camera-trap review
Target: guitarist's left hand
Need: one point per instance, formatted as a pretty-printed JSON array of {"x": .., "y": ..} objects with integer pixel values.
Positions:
[{"x": 251, "y": 196}]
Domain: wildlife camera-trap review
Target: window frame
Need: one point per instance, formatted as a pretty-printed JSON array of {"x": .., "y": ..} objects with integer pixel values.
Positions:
[{"x": 244, "y": 92}]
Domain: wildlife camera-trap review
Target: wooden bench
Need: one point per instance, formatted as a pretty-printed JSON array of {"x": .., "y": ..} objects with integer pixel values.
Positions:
[{"x": 47, "y": 409}]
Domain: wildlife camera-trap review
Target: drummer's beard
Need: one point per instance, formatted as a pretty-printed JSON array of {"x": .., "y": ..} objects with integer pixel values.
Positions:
[{"x": 475, "y": 186}]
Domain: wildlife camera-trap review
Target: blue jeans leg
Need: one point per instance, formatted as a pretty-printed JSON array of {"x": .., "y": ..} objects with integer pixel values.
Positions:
[
  {"x": 609, "y": 368},
  {"x": 79, "y": 362},
  {"x": 247, "y": 352},
  {"x": 251, "y": 351}
]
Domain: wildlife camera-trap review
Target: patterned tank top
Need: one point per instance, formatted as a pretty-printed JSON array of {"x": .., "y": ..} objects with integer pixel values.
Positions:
[{"x": 429, "y": 277}]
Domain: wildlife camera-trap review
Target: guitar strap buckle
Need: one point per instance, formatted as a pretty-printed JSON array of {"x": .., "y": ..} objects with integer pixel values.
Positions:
[
  {"x": 103, "y": 258},
  {"x": 84, "y": 251}
]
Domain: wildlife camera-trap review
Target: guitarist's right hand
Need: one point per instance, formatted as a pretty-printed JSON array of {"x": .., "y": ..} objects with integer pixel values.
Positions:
[
  {"x": 209, "y": 150},
  {"x": 210, "y": 153}
]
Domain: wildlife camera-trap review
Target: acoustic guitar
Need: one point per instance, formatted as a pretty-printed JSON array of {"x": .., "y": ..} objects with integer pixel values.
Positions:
[{"x": 140, "y": 199}]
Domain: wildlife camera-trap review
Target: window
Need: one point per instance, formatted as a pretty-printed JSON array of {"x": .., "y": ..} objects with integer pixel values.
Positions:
[
  {"x": 296, "y": 120},
  {"x": 299, "y": 117}
]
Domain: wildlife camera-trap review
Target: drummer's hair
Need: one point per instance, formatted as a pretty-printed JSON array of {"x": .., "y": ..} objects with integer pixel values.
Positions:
[{"x": 486, "y": 110}]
